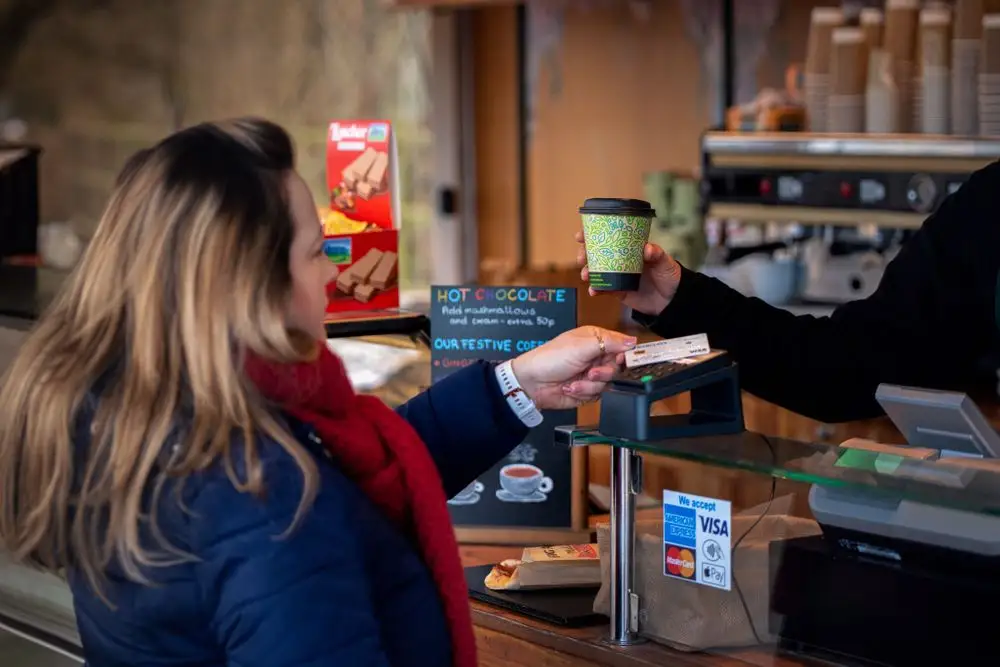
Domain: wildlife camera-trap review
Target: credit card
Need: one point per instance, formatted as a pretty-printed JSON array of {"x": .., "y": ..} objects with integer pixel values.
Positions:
[{"x": 667, "y": 350}]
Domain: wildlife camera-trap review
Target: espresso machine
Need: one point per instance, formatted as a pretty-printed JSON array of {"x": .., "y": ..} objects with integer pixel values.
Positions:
[{"x": 855, "y": 198}]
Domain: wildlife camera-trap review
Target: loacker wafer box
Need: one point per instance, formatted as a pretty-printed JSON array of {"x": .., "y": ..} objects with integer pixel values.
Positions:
[{"x": 361, "y": 226}]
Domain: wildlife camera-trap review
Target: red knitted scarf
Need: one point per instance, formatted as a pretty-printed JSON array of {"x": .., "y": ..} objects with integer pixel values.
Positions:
[{"x": 382, "y": 453}]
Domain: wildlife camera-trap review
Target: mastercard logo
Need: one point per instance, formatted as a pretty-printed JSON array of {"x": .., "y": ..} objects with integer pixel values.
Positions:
[{"x": 680, "y": 562}]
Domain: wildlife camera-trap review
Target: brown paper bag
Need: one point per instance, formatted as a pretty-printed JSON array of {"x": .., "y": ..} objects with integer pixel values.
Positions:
[{"x": 691, "y": 617}]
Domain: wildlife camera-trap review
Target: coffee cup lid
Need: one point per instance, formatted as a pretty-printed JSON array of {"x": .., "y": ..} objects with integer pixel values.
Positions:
[{"x": 615, "y": 206}]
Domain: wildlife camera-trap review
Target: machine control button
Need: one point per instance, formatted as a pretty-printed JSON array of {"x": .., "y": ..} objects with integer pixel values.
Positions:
[
  {"x": 921, "y": 193},
  {"x": 790, "y": 188},
  {"x": 871, "y": 191}
]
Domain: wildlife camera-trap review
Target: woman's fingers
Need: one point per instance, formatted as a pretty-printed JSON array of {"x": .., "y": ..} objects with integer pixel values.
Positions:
[
  {"x": 614, "y": 341},
  {"x": 584, "y": 390},
  {"x": 602, "y": 373},
  {"x": 578, "y": 237}
]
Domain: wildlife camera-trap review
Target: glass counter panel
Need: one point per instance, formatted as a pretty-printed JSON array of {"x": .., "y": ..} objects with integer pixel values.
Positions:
[
  {"x": 394, "y": 368},
  {"x": 37, "y": 602},
  {"x": 968, "y": 484},
  {"x": 16, "y": 651}
]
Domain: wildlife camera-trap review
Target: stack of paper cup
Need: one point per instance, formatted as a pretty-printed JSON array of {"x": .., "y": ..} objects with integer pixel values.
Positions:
[
  {"x": 881, "y": 96},
  {"x": 899, "y": 41},
  {"x": 935, "y": 74},
  {"x": 816, "y": 79},
  {"x": 989, "y": 77},
  {"x": 848, "y": 78},
  {"x": 872, "y": 25},
  {"x": 965, "y": 46}
]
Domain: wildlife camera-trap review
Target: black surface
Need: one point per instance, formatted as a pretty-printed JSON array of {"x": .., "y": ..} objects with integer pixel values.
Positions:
[
  {"x": 616, "y": 206},
  {"x": 19, "y": 202},
  {"x": 614, "y": 282},
  {"x": 25, "y": 292},
  {"x": 935, "y": 610},
  {"x": 568, "y": 607},
  {"x": 465, "y": 328},
  {"x": 378, "y": 323}
]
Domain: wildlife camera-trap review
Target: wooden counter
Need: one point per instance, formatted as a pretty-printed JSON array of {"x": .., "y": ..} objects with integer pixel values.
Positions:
[{"x": 506, "y": 639}]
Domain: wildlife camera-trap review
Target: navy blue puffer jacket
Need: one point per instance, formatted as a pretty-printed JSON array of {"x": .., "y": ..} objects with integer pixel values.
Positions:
[{"x": 345, "y": 589}]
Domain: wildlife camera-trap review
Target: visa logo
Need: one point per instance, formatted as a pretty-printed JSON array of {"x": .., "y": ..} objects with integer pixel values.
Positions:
[{"x": 714, "y": 526}]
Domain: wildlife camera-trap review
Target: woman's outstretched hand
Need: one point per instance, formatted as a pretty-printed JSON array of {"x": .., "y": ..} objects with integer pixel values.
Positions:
[{"x": 571, "y": 369}]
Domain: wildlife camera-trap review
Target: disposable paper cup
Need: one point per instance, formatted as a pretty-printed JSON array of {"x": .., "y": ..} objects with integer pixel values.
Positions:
[{"x": 616, "y": 232}]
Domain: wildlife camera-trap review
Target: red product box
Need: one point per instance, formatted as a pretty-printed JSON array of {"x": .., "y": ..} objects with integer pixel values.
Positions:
[{"x": 361, "y": 227}]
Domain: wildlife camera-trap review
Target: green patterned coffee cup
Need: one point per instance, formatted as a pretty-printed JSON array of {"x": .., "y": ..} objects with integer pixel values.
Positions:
[{"x": 616, "y": 232}]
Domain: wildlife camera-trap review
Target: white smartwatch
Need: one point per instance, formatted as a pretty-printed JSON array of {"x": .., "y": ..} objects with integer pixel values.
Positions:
[{"x": 517, "y": 399}]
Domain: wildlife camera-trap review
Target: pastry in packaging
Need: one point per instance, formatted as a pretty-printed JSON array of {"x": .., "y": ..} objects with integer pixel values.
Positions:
[{"x": 564, "y": 566}]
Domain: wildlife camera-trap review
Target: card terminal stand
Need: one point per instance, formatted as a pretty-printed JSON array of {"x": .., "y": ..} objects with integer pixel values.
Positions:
[{"x": 716, "y": 408}]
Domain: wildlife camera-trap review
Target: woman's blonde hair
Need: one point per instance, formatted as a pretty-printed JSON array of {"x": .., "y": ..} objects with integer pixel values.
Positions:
[{"x": 135, "y": 374}]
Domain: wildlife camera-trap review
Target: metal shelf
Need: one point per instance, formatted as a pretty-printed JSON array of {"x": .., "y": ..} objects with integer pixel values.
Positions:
[{"x": 852, "y": 145}]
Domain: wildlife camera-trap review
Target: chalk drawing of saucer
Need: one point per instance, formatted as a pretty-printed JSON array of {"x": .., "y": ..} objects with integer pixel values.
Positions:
[
  {"x": 468, "y": 500},
  {"x": 508, "y": 497}
]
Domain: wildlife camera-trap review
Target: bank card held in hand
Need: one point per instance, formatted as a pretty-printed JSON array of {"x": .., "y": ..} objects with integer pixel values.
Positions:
[{"x": 667, "y": 350}]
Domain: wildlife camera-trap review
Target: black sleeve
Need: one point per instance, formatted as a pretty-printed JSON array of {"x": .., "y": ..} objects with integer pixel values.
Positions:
[{"x": 928, "y": 322}]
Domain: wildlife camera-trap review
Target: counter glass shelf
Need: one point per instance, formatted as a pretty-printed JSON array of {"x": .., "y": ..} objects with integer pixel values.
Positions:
[{"x": 945, "y": 483}]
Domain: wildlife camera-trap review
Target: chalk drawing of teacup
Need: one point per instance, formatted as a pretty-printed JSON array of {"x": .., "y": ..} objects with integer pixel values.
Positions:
[
  {"x": 469, "y": 495},
  {"x": 522, "y": 482}
]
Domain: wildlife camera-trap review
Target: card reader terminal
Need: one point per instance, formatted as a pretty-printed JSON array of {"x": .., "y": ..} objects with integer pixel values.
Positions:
[
  {"x": 661, "y": 375},
  {"x": 710, "y": 378}
]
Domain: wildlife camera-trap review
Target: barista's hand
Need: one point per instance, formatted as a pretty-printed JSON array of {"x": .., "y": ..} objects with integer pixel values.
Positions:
[
  {"x": 660, "y": 277},
  {"x": 571, "y": 369}
]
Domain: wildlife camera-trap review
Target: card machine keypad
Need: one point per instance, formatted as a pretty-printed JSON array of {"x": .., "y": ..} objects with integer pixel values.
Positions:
[{"x": 662, "y": 374}]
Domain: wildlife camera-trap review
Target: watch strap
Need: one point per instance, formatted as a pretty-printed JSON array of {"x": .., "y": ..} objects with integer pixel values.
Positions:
[{"x": 519, "y": 401}]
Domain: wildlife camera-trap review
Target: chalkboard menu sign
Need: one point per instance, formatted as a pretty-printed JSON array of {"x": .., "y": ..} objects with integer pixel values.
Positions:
[{"x": 536, "y": 486}]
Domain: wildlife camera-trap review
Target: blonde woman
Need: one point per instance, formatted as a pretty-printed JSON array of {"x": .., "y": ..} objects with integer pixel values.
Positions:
[{"x": 175, "y": 439}]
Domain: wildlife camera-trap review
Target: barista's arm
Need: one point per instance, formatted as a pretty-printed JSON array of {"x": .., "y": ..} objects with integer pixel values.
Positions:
[{"x": 929, "y": 320}]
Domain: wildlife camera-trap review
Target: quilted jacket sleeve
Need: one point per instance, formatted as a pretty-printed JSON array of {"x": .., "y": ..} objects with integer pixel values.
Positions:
[
  {"x": 281, "y": 600},
  {"x": 466, "y": 424}
]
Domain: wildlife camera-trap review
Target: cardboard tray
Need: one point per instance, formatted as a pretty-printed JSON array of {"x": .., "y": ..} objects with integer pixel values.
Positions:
[{"x": 568, "y": 607}]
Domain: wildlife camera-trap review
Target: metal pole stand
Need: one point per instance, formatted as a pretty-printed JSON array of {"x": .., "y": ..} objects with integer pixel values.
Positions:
[{"x": 626, "y": 484}]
